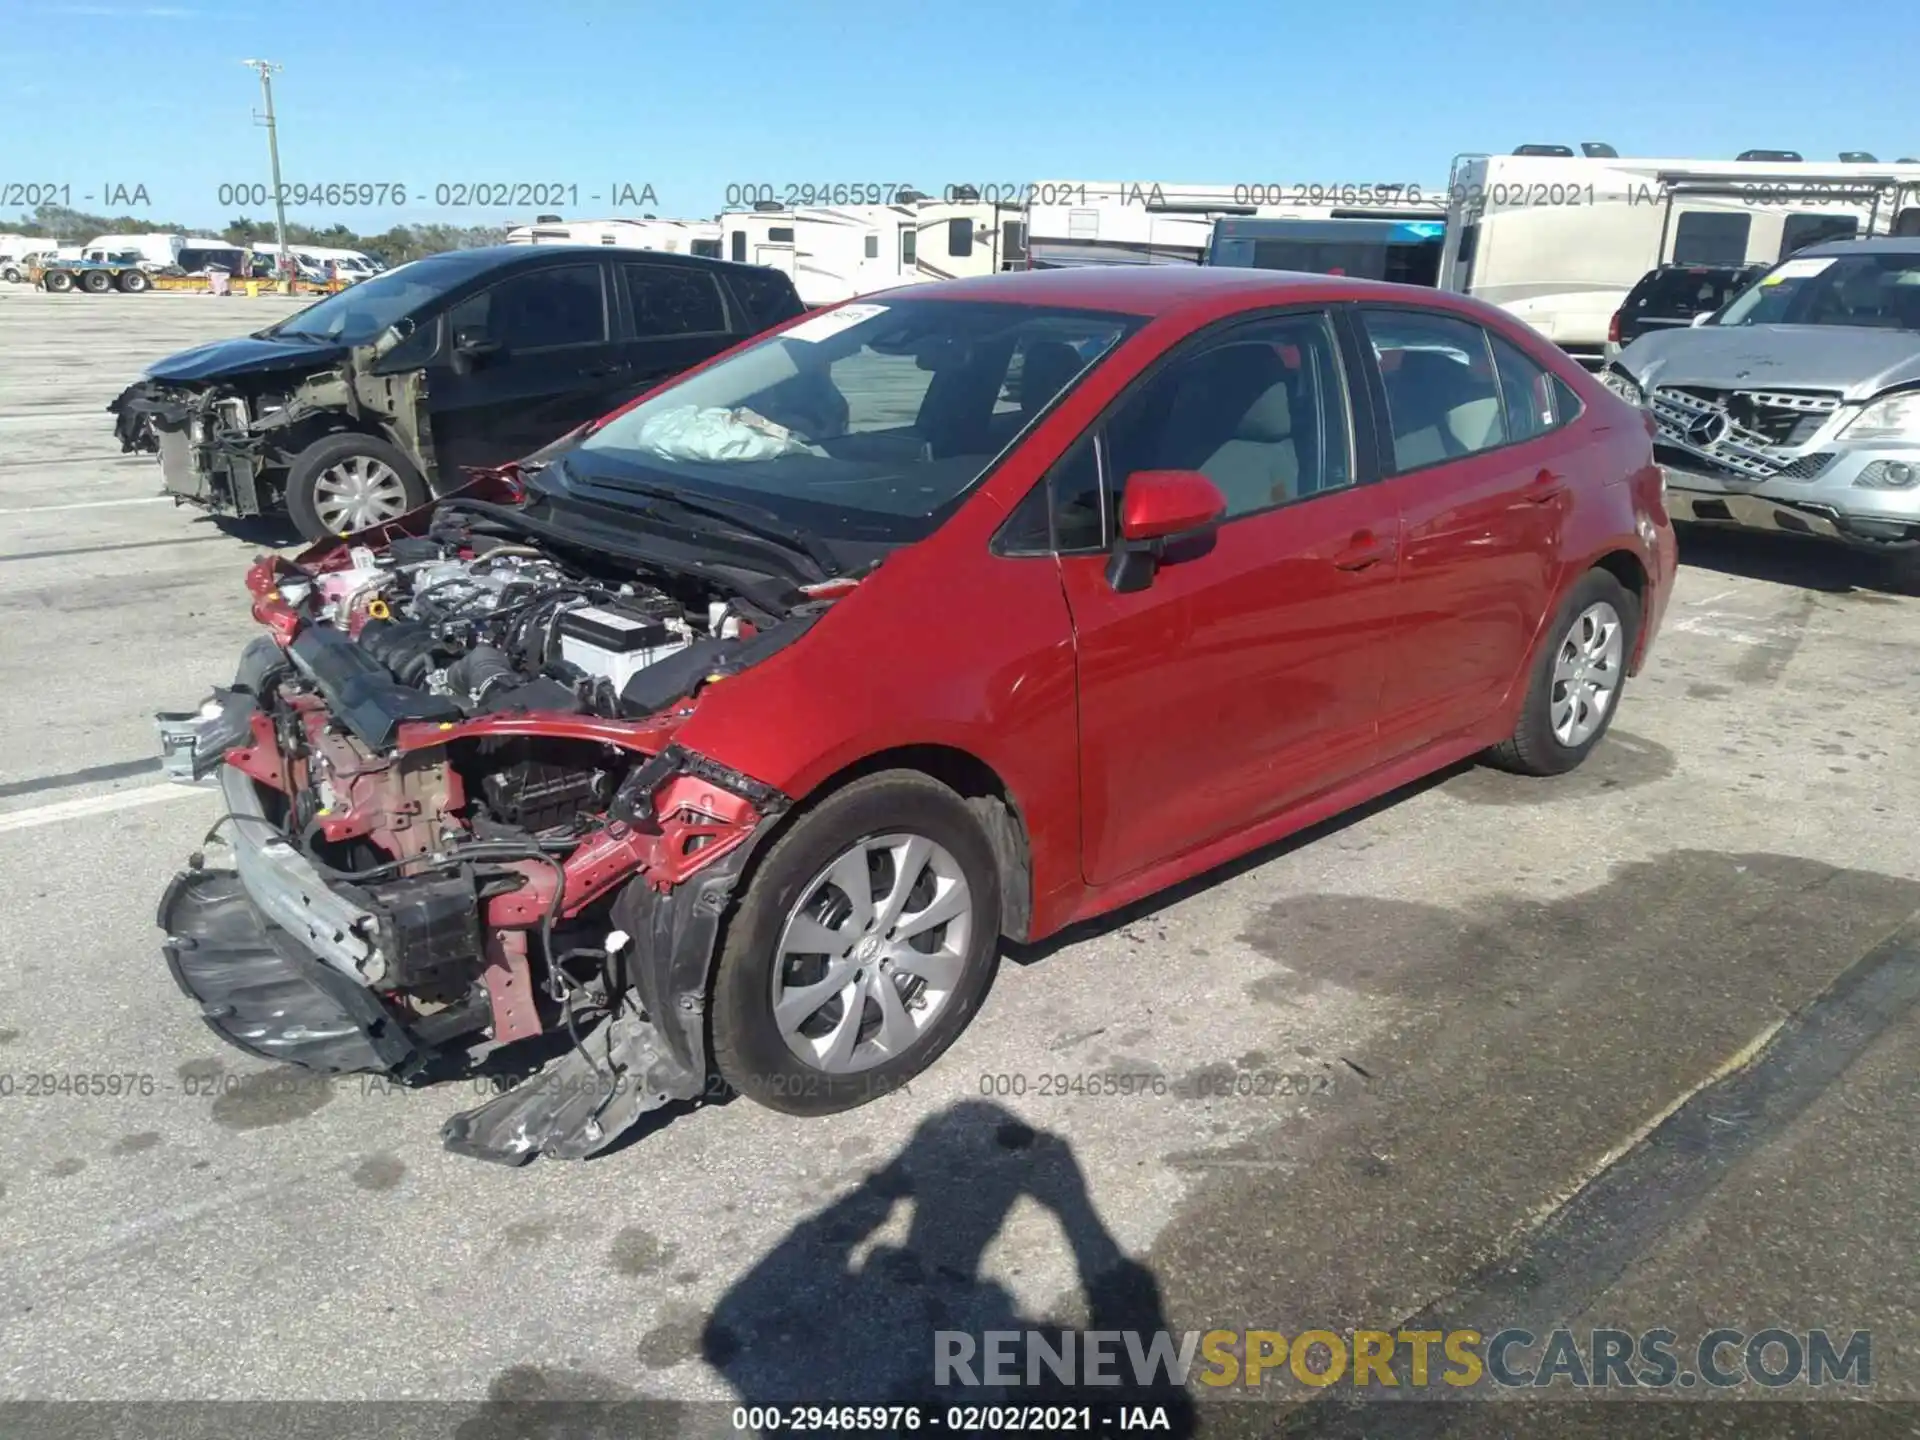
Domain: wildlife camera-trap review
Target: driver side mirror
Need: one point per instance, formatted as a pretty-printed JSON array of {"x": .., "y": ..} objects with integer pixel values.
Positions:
[
  {"x": 472, "y": 347},
  {"x": 1159, "y": 510}
]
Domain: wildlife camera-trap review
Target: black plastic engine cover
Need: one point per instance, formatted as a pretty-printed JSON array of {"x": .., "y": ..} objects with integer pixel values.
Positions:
[{"x": 358, "y": 689}]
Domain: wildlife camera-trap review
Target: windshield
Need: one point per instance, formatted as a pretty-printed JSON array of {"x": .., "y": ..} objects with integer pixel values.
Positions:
[
  {"x": 358, "y": 316},
  {"x": 867, "y": 421},
  {"x": 1875, "y": 291}
]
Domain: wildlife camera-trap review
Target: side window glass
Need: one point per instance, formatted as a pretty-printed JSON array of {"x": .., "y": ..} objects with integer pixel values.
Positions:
[
  {"x": 1262, "y": 413},
  {"x": 671, "y": 301},
  {"x": 548, "y": 308},
  {"x": 1443, "y": 401},
  {"x": 1526, "y": 392},
  {"x": 1079, "y": 519}
]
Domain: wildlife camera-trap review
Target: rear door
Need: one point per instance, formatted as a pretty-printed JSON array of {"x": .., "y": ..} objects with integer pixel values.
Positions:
[
  {"x": 1481, "y": 493},
  {"x": 554, "y": 364},
  {"x": 676, "y": 316}
]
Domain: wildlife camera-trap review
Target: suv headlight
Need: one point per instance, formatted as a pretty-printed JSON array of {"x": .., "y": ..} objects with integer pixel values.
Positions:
[
  {"x": 1623, "y": 385},
  {"x": 1895, "y": 418}
]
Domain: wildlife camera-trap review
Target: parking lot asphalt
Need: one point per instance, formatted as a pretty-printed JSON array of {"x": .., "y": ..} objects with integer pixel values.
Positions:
[{"x": 1375, "y": 1070}]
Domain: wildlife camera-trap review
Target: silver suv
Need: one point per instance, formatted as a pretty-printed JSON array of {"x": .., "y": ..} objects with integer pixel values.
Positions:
[{"x": 1797, "y": 406}]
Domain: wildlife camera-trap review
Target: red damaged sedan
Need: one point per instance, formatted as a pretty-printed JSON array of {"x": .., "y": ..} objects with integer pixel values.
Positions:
[{"x": 722, "y": 742}]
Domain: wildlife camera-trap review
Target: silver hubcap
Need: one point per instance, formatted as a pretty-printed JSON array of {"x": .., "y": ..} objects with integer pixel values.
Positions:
[
  {"x": 1586, "y": 674},
  {"x": 357, "y": 492},
  {"x": 871, "y": 953}
]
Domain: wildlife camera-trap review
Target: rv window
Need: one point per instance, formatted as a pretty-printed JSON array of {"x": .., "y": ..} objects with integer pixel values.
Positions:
[
  {"x": 1013, "y": 241},
  {"x": 671, "y": 301},
  {"x": 1800, "y": 231},
  {"x": 707, "y": 249},
  {"x": 908, "y": 237},
  {"x": 541, "y": 311},
  {"x": 1463, "y": 261},
  {"x": 780, "y": 235},
  {"x": 1526, "y": 392},
  {"x": 960, "y": 237},
  {"x": 1442, "y": 398},
  {"x": 1710, "y": 237},
  {"x": 873, "y": 247},
  {"x": 740, "y": 245}
]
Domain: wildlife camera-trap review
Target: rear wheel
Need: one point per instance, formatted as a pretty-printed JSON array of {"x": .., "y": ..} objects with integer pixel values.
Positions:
[
  {"x": 861, "y": 950},
  {"x": 1577, "y": 679},
  {"x": 96, "y": 282},
  {"x": 134, "y": 281},
  {"x": 346, "y": 482}
]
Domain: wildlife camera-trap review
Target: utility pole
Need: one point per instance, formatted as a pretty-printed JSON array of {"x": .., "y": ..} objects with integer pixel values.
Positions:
[{"x": 267, "y": 69}]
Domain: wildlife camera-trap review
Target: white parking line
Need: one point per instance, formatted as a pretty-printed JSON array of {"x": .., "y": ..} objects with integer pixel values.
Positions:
[
  {"x": 94, "y": 805},
  {"x": 86, "y": 505}
]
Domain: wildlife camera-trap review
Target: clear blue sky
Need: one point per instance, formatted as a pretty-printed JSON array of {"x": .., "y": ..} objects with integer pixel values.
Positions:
[{"x": 692, "y": 96}]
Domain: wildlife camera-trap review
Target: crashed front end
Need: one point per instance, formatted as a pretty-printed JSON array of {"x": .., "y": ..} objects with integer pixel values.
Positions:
[
  {"x": 210, "y": 454},
  {"x": 226, "y": 444},
  {"x": 459, "y": 821}
]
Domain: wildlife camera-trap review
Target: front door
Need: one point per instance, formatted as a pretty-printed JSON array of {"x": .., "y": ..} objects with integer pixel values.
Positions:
[
  {"x": 542, "y": 359},
  {"x": 1246, "y": 677}
]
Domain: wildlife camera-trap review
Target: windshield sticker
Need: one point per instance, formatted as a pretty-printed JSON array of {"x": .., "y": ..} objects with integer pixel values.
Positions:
[
  {"x": 825, "y": 327},
  {"x": 1799, "y": 269}
]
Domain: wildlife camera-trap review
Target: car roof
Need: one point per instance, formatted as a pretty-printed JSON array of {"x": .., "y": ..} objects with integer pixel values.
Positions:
[
  {"x": 1175, "y": 290},
  {"x": 1880, "y": 245},
  {"x": 514, "y": 257}
]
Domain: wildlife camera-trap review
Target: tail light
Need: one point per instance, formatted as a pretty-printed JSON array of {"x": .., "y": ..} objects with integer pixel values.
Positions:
[{"x": 1613, "y": 329}]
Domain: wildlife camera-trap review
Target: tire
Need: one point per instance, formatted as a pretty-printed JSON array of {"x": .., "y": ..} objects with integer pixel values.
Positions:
[
  {"x": 58, "y": 281},
  {"x": 1584, "y": 659},
  {"x": 133, "y": 282},
  {"x": 900, "y": 818},
  {"x": 96, "y": 282},
  {"x": 10, "y": 275},
  {"x": 324, "y": 478}
]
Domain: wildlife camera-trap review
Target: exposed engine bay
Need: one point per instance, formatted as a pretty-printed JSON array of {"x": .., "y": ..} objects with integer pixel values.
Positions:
[{"x": 459, "y": 821}]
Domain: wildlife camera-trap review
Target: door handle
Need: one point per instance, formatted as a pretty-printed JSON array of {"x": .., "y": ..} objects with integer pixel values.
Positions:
[
  {"x": 1544, "y": 487},
  {"x": 600, "y": 372},
  {"x": 1363, "y": 550}
]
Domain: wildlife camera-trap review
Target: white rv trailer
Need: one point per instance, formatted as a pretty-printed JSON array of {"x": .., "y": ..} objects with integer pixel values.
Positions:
[
  {"x": 831, "y": 253},
  {"x": 960, "y": 237},
  {"x": 1559, "y": 240},
  {"x": 1089, "y": 222},
  {"x": 679, "y": 237}
]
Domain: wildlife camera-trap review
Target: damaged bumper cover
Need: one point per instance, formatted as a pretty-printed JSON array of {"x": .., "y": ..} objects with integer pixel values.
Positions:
[
  {"x": 289, "y": 962},
  {"x": 209, "y": 453}
]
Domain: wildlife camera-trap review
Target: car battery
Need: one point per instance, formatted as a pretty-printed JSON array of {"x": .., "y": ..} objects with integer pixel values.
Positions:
[{"x": 616, "y": 640}]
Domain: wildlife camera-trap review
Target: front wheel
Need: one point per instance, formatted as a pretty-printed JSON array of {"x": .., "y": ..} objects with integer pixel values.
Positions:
[
  {"x": 346, "y": 482},
  {"x": 1577, "y": 679},
  {"x": 861, "y": 949},
  {"x": 58, "y": 281}
]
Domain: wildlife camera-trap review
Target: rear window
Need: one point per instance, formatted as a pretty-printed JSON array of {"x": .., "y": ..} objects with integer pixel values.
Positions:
[
  {"x": 767, "y": 296},
  {"x": 1711, "y": 237},
  {"x": 1683, "y": 293}
]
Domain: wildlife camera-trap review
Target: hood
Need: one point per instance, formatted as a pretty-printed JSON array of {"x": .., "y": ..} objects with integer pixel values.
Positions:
[
  {"x": 1856, "y": 361},
  {"x": 248, "y": 355}
]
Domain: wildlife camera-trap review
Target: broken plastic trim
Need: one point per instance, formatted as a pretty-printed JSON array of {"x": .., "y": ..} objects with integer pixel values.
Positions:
[{"x": 654, "y": 1049}]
